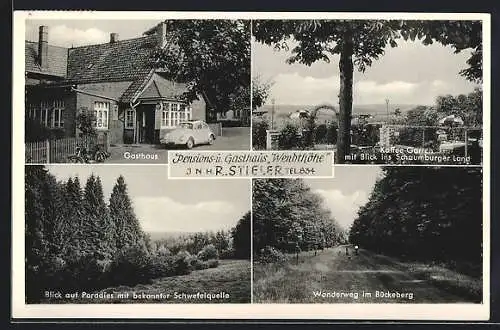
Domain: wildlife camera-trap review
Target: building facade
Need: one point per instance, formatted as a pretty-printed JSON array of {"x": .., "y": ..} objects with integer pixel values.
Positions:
[{"x": 116, "y": 82}]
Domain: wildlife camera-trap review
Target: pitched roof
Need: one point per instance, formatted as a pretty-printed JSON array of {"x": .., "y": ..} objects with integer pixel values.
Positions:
[
  {"x": 119, "y": 61},
  {"x": 160, "y": 87},
  {"x": 125, "y": 60},
  {"x": 57, "y": 59},
  {"x": 130, "y": 95}
]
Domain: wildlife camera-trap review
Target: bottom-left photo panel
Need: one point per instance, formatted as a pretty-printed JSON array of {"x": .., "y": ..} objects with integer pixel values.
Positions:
[{"x": 127, "y": 234}]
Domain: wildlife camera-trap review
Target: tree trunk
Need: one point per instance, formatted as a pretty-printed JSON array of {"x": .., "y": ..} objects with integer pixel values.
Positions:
[{"x": 345, "y": 100}]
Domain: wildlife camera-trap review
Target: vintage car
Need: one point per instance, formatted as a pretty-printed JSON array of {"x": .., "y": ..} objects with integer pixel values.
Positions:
[{"x": 189, "y": 134}]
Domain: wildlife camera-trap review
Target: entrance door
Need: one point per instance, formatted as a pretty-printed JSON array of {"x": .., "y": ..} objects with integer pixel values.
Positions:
[
  {"x": 150, "y": 125},
  {"x": 146, "y": 125}
]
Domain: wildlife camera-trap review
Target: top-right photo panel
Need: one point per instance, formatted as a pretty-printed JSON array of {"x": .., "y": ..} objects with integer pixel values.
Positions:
[{"x": 373, "y": 91}]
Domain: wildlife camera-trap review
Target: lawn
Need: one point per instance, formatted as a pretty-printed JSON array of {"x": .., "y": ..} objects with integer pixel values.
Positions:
[{"x": 228, "y": 283}]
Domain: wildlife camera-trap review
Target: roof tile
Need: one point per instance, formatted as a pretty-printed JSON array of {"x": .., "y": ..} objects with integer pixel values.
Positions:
[
  {"x": 57, "y": 59},
  {"x": 122, "y": 60}
]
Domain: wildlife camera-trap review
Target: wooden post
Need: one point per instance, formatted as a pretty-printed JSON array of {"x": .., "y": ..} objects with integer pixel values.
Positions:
[
  {"x": 466, "y": 145},
  {"x": 47, "y": 146}
]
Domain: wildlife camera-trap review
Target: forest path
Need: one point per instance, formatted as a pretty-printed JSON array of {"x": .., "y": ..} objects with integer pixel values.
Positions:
[
  {"x": 334, "y": 277},
  {"x": 370, "y": 277}
]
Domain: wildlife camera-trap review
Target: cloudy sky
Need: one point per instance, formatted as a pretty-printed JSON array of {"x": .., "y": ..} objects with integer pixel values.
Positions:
[
  {"x": 170, "y": 205},
  {"x": 67, "y": 33},
  {"x": 408, "y": 74},
  {"x": 347, "y": 191}
]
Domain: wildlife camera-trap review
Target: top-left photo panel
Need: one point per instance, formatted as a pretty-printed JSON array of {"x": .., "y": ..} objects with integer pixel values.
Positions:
[{"x": 127, "y": 91}]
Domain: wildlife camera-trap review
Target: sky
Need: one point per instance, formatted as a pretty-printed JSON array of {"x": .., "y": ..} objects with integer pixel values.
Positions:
[
  {"x": 67, "y": 33},
  {"x": 408, "y": 74},
  {"x": 163, "y": 205},
  {"x": 347, "y": 191}
]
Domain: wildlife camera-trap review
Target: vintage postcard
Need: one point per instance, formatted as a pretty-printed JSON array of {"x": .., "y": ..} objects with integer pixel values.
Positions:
[{"x": 342, "y": 166}]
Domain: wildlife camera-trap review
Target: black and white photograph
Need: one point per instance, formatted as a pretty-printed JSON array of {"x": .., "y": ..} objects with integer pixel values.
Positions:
[
  {"x": 251, "y": 166},
  {"x": 126, "y": 234},
  {"x": 373, "y": 91},
  {"x": 375, "y": 235},
  {"x": 126, "y": 91}
]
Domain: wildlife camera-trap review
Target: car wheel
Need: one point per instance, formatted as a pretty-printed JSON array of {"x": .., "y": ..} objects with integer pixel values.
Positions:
[
  {"x": 100, "y": 156},
  {"x": 190, "y": 143},
  {"x": 75, "y": 159},
  {"x": 211, "y": 139}
]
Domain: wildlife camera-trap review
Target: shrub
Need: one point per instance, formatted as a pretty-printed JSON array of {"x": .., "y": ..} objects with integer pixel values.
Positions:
[
  {"x": 131, "y": 265},
  {"x": 331, "y": 133},
  {"x": 208, "y": 252},
  {"x": 271, "y": 255},
  {"x": 259, "y": 135},
  {"x": 289, "y": 137},
  {"x": 213, "y": 263},
  {"x": 161, "y": 266},
  {"x": 320, "y": 133},
  {"x": 182, "y": 263},
  {"x": 197, "y": 264},
  {"x": 227, "y": 254},
  {"x": 163, "y": 251},
  {"x": 35, "y": 131}
]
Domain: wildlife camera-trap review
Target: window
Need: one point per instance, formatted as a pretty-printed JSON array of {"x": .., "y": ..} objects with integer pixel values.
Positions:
[
  {"x": 164, "y": 116},
  {"x": 32, "y": 111},
  {"x": 174, "y": 113},
  {"x": 58, "y": 114},
  {"x": 44, "y": 113},
  {"x": 101, "y": 112},
  {"x": 130, "y": 118}
]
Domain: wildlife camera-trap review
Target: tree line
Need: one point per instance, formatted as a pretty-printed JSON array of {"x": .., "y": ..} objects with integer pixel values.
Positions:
[
  {"x": 74, "y": 240},
  {"x": 424, "y": 213},
  {"x": 233, "y": 243},
  {"x": 288, "y": 216}
]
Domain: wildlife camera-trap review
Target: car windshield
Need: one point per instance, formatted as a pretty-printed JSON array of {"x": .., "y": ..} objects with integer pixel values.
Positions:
[{"x": 186, "y": 125}]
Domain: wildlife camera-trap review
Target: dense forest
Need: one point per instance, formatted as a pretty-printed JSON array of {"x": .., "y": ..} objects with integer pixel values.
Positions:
[
  {"x": 288, "y": 216},
  {"x": 77, "y": 241},
  {"x": 424, "y": 213}
]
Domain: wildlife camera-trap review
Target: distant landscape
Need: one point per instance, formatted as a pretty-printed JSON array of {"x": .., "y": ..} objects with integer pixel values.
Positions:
[{"x": 356, "y": 108}]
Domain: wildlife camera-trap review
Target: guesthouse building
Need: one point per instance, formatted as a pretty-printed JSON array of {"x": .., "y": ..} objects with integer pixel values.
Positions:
[{"x": 132, "y": 102}]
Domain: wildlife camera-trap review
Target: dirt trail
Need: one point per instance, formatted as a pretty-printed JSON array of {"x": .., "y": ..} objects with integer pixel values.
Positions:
[{"x": 335, "y": 277}]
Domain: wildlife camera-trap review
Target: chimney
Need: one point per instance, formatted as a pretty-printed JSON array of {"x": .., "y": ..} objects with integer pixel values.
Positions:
[
  {"x": 161, "y": 33},
  {"x": 113, "y": 37},
  {"x": 43, "y": 46}
]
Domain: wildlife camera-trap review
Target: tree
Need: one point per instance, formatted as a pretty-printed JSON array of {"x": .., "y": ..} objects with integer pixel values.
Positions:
[
  {"x": 424, "y": 213},
  {"x": 128, "y": 230},
  {"x": 286, "y": 213},
  {"x": 260, "y": 92},
  {"x": 468, "y": 107},
  {"x": 211, "y": 56},
  {"x": 85, "y": 122},
  {"x": 460, "y": 35},
  {"x": 98, "y": 227},
  {"x": 358, "y": 43},
  {"x": 241, "y": 237}
]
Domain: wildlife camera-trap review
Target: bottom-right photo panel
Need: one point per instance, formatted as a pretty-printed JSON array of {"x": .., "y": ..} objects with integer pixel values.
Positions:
[{"x": 370, "y": 235}]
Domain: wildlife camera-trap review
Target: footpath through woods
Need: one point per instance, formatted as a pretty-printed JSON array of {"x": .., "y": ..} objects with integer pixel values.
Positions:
[{"x": 334, "y": 277}]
